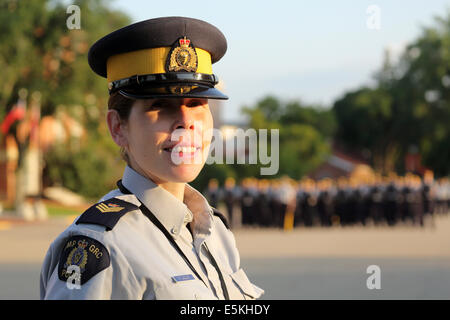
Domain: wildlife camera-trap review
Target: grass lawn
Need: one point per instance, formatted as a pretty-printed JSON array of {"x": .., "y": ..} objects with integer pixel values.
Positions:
[{"x": 55, "y": 210}]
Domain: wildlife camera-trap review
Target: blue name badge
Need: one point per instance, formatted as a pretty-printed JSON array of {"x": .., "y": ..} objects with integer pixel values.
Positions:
[{"x": 183, "y": 277}]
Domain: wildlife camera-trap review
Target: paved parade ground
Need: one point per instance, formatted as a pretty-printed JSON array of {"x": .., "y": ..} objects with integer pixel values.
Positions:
[{"x": 305, "y": 263}]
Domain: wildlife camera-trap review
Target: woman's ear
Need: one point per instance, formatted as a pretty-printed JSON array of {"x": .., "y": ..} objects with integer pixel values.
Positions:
[{"x": 117, "y": 128}]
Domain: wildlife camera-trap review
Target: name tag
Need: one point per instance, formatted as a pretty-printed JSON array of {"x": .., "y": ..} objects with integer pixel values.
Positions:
[{"x": 183, "y": 277}]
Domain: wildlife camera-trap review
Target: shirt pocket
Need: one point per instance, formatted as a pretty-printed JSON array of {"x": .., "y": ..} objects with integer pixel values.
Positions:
[
  {"x": 249, "y": 290},
  {"x": 184, "y": 290}
]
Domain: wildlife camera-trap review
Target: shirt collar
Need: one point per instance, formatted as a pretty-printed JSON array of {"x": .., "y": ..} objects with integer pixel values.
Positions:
[
  {"x": 171, "y": 212},
  {"x": 202, "y": 212}
]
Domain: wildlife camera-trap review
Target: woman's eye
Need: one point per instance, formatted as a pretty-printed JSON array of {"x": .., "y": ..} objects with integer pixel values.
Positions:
[
  {"x": 196, "y": 103},
  {"x": 156, "y": 106}
]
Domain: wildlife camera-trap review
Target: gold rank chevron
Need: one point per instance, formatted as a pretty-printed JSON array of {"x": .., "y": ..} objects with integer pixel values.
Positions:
[{"x": 108, "y": 208}]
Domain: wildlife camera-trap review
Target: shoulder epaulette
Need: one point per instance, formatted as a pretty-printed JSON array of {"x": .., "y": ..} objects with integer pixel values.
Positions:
[
  {"x": 106, "y": 213},
  {"x": 222, "y": 217}
]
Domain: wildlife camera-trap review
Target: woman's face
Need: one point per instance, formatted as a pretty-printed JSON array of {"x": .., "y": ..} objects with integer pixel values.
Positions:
[{"x": 168, "y": 139}]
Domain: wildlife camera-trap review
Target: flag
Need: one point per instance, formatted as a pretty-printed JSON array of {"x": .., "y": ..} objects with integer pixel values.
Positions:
[{"x": 17, "y": 113}]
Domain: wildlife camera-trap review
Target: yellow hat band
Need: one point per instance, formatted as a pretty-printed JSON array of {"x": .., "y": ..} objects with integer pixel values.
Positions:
[{"x": 149, "y": 61}]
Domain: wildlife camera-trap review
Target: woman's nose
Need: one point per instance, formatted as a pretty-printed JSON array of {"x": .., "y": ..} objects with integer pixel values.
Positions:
[{"x": 185, "y": 118}]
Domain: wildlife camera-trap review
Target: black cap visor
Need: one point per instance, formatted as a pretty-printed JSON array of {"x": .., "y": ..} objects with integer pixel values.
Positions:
[{"x": 174, "y": 90}]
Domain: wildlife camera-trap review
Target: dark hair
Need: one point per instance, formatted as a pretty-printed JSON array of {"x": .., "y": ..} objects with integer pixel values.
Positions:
[{"x": 123, "y": 106}]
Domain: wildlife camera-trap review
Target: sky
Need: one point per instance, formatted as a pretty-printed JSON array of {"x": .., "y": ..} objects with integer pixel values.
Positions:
[{"x": 312, "y": 51}]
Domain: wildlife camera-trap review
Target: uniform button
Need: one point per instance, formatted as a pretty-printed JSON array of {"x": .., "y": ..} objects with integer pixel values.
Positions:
[{"x": 174, "y": 230}]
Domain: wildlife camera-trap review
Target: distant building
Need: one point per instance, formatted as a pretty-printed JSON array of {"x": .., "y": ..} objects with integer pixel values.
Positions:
[{"x": 340, "y": 164}]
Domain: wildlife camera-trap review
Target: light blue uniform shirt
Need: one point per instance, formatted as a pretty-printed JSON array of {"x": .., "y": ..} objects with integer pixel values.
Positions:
[{"x": 143, "y": 263}]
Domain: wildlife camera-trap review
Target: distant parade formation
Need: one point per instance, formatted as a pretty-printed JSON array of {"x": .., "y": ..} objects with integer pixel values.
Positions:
[{"x": 286, "y": 203}]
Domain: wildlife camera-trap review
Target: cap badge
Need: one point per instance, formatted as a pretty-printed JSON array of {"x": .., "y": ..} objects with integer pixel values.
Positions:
[
  {"x": 180, "y": 89},
  {"x": 182, "y": 57}
]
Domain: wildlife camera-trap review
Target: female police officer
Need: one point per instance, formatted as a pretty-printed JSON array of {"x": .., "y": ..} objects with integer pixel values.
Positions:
[{"x": 155, "y": 237}]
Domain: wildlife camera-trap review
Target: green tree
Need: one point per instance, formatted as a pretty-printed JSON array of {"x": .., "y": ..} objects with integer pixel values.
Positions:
[
  {"x": 304, "y": 133},
  {"x": 322, "y": 119},
  {"x": 423, "y": 94},
  {"x": 302, "y": 149},
  {"x": 365, "y": 118},
  {"x": 40, "y": 53},
  {"x": 409, "y": 106}
]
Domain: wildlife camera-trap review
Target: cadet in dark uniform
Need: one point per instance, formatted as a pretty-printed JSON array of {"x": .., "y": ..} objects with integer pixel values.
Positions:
[
  {"x": 417, "y": 205},
  {"x": 399, "y": 199},
  {"x": 325, "y": 203},
  {"x": 428, "y": 193},
  {"x": 352, "y": 202},
  {"x": 230, "y": 197},
  {"x": 310, "y": 214},
  {"x": 263, "y": 204},
  {"x": 362, "y": 203},
  {"x": 212, "y": 193},
  {"x": 254, "y": 213},
  {"x": 407, "y": 196},
  {"x": 247, "y": 202},
  {"x": 427, "y": 199},
  {"x": 376, "y": 203},
  {"x": 390, "y": 204},
  {"x": 300, "y": 198},
  {"x": 275, "y": 204},
  {"x": 155, "y": 237},
  {"x": 341, "y": 201}
]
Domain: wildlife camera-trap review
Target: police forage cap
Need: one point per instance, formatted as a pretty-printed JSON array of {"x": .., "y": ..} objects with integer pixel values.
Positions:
[{"x": 169, "y": 57}]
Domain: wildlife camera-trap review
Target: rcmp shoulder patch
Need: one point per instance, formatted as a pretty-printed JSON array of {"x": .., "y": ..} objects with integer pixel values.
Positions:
[
  {"x": 82, "y": 258},
  {"x": 106, "y": 213},
  {"x": 222, "y": 217}
]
